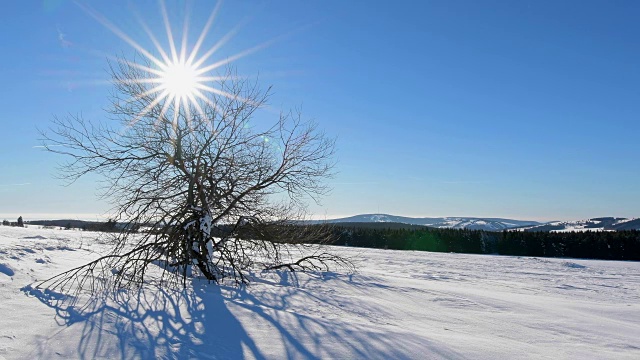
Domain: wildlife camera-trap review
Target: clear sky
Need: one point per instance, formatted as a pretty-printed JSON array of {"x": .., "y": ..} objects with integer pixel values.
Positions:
[{"x": 519, "y": 109}]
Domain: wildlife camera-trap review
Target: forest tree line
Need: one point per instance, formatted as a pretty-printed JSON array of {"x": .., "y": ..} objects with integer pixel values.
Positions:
[{"x": 609, "y": 245}]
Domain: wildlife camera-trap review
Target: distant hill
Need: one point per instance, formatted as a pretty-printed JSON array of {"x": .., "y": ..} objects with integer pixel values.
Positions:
[
  {"x": 489, "y": 224},
  {"x": 378, "y": 225},
  {"x": 594, "y": 224}
]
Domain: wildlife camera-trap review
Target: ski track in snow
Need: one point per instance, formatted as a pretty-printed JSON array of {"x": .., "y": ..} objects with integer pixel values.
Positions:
[{"x": 399, "y": 305}]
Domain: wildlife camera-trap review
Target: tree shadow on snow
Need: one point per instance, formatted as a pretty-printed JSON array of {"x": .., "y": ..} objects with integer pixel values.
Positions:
[
  {"x": 196, "y": 323},
  {"x": 192, "y": 323},
  {"x": 342, "y": 327}
]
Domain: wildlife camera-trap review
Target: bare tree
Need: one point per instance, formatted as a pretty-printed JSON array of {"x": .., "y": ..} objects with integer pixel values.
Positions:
[{"x": 198, "y": 188}]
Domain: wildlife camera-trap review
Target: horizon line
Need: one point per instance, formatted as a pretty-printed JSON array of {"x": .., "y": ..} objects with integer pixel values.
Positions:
[{"x": 316, "y": 217}]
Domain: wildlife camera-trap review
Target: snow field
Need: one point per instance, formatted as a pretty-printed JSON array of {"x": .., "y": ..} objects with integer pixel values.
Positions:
[{"x": 399, "y": 305}]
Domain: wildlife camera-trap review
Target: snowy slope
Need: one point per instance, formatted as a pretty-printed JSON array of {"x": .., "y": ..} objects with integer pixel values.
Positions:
[
  {"x": 595, "y": 224},
  {"x": 491, "y": 224},
  {"x": 400, "y": 305}
]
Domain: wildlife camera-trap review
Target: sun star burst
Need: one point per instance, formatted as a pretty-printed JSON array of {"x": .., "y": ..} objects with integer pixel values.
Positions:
[{"x": 178, "y": 78}]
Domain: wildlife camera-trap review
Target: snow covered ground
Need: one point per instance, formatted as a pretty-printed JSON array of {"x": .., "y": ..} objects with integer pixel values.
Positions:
[{"x": 415, "y": 305}]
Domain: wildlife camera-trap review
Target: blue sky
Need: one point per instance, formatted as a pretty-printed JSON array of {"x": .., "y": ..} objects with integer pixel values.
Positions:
[{"x": 520, "y": 109}]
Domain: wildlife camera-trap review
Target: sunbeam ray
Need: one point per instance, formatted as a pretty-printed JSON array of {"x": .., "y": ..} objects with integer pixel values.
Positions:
[
  {"x": 236, "y": 56},
  {"x": 109, "y": 25},
  {"x": 167, "y": 26},
  {"x": 163, "y": 111},
  {"x": 204, "y": 32},
  {"x": 185, "y": 32},
  {"x": 176, "y": 113},
  {"x": 196, "y": 104},
  {"x": 148, "y": 108},
  {"x": 134, "y": 64},
  {"x": 153, "y": 38},
  {"x": 220, "y": 43},
  {"x": 176, "y": 82},
  {"x": 202, "y": 97},
  {"x": 151, "y": 91}
]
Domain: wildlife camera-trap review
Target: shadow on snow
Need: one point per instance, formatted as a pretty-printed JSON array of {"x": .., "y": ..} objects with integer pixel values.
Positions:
[
  {"x": 150, "y": 323},
  {"x": 197, "y": 322}
]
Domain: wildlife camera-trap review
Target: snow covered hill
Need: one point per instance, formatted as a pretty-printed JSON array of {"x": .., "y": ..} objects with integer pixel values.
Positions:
[
  {"x": 400, "y": 305},
  {"x": 490, "y": 224},
  {"x": 595, "y": 224},
  {"x": 498, "y": 224}
]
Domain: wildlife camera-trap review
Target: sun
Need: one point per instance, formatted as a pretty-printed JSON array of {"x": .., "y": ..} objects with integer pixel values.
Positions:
[
  {"x": 180, "y": 80},
  {"x": 178, "y": 77}
]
